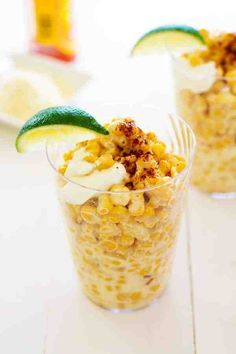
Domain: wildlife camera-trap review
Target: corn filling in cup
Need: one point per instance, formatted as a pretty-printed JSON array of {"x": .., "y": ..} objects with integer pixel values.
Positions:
[{"x": 122, "y": 198}]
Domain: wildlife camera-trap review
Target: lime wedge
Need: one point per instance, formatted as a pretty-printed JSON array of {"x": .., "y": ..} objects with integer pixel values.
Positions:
[
  {"x": 170, "y": 36},
  {"x": 57, "y": 124}
]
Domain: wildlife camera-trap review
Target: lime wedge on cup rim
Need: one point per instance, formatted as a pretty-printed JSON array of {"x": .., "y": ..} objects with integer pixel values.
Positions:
[
  {"x": 57, "y": 124},
  {"x": 170, "y": 36}
]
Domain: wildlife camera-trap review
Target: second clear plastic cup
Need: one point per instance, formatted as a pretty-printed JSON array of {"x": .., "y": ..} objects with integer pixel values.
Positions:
[{"x": 209, "y": 108}]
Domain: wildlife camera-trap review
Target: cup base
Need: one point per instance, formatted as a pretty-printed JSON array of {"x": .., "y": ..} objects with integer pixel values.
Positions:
[
  {"x": 128, "y": 310},
  {"x": 230, "y": 195}
]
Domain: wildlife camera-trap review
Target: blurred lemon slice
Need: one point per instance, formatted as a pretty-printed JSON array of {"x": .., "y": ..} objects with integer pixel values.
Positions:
[{"x": 174, "y": 37}]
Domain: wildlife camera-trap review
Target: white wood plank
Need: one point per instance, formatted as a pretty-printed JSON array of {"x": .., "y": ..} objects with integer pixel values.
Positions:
[
  {"x": 26, "y": 336},
  {"x": 23, "y": 249},
  {"x": 213, "y": 243},
  {"x": 78, "y": 326}
]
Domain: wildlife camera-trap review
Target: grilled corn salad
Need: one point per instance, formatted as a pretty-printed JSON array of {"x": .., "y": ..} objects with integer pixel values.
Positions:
[
  {"x": 122, "y": 195},
  {"x": 206, "y": 99}
]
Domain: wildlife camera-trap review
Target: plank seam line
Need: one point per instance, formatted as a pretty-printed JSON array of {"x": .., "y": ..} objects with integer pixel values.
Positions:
[
  {"x": 45, "y": 339},
  {"x": 190, "y": 271}
]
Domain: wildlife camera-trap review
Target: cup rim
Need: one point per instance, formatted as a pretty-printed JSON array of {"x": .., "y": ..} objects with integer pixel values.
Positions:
[{"x": 172, "y": 180}]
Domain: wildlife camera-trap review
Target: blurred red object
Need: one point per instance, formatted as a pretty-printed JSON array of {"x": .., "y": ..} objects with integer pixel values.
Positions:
[{"x": 52, "y": 32}]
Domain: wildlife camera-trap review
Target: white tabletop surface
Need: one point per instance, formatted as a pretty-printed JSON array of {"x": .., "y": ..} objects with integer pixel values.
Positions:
[{"x": 42, "y": 309}]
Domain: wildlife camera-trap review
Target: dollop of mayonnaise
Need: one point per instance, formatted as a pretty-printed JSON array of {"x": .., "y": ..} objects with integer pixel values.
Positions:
[
  {"x": 78, "y": 166},
  {"x": 102, "y": 180},
  {"x": 197, "y": 79}
]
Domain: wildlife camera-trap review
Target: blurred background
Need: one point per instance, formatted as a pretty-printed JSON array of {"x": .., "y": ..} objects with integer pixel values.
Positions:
[
  {"x": 109, "y": 28},
  {"x": 104, "y": 33}
]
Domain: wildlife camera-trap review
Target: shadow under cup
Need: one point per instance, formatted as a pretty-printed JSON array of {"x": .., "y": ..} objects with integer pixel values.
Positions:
[
  {"x": 209, "y": 106},
  {"x": 124, "y": 261}
]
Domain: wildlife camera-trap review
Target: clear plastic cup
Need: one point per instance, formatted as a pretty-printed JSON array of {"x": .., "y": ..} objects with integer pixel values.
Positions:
[
  {"x": 212, "y": 115},
  {"x": 123, "y": 261}
]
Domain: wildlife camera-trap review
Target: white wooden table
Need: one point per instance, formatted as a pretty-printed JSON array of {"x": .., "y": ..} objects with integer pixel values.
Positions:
[{"x": 42, "y": 311}]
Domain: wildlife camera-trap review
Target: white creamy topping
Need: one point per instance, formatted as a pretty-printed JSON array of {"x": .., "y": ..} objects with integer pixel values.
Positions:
[
  {"x": 102, "y": 180},
  {"x": 195, "y": 78},
  {"x": 79, "y": 167}
]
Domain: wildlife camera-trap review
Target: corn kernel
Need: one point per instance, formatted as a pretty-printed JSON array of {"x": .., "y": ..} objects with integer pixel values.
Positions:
[
  {"x": 68, "y": 155},
  {"x": 145, "y": 271},
  {"x": 122, "y": 296},
  {"x": 107, "y": 231},
  {"x": 149, "y": 211},
  {"x": 93, "y": 147},
  {"x": 152, "y": 136},
  {"x": 126, "y": 240},
  {"x": 158, "y": 149},
  {"x": 109, "y": 288},
  {"x": 136, "y": 296},
  {"x": 136, "y": 206},
  {"x": 119, "y": 212},
  {"x": 173, "y": 171},
  {"x": 89, "y": 214},
  {"x": 164, "y": 166},
  {"x": 104, "y": 204},
  {"x": 180, "y": 166},
  {"x": 62, "y": 169},
  {"x": 122, "y": 250},
  {"x": 105, "y": 161},
  {"x": 90, "y": 158},
  {"x": 116, "y": 263},
  {"x": 108, "y": 279},
  {"x": 108, "y": 245},
  {"x": 122, "y": 198},
  {"x": 155, "y": 288},
  {"x": 88, "y": 251}
]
